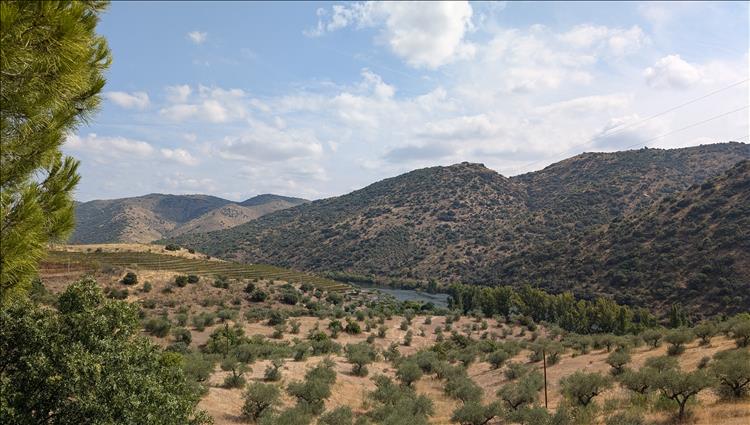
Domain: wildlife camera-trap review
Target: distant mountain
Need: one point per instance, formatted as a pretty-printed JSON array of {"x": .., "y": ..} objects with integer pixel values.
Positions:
[
  {"x": 156, "y": 216},
  {"x": 468, "y": 223}
]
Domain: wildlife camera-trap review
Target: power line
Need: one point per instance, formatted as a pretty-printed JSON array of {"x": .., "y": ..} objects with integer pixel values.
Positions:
[{"x": 621, "y": 128}]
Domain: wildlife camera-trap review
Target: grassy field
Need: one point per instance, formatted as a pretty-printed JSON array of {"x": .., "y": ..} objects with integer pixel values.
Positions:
[{"x": 62, "y": 261}]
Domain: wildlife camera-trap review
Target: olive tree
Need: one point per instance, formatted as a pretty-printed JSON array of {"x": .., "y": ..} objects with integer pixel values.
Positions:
[
  {"x": 260, "y": 399},
  {"x": 582, "y": 387}
]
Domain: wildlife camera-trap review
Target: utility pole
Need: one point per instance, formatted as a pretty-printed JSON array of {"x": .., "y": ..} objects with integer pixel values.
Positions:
[{"x": 544, "y": 359}]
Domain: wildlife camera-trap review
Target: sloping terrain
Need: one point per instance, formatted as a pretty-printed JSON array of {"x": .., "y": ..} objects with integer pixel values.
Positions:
[
  {"x": 468, "y": 223},
  {"x": 155, "y": 216}
]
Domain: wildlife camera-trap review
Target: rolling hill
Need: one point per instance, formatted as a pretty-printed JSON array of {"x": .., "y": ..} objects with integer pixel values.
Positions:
[
  {"x": 156, "y": 216},
  {"x": 468, "y": 223}
]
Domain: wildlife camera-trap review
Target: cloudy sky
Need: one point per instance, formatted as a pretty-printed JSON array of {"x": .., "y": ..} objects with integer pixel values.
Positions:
[{"x": 318, "y": 99}]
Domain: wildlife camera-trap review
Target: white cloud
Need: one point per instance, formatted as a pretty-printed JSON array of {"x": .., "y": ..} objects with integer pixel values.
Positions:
[
  {"x": 613, "y": 41},
  {"x": 109, "y": 146},
  {"x": 215, "y": 105},
  {"x": 179, "y": 93},
  {"x": 424, "y": 34},
  {"x": 672, "y": 72},
  {"x": 179, "y": 155},
  {"x": 135, "y": 100},
  {"x": 262, "y": 142},
  {"x": 197, "y": 37}
]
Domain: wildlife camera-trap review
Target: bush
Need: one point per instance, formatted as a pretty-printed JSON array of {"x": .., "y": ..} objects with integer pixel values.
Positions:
[
  {"x": 408, "y": 372},
  {"x": 191, "y": 278},
  {"x": 260, "y": 400},
  {"x": 680, "y": 387},
  {"x": 353, "y": 328},
  {"x": 181, "y": 281},
  {"x": 315, "y": 389},
  {"x": 677, "y": 338},
  {"x": 147, "y": 287},
  {"x": 652, "y": 337},
  {"x": 172, "y": 247},
  {"x": 118, "y": 294},
  {"x": 259, "y": 296},
  {"x": 360, "y": 355},
  {"x": 273, "y": 371},
  {"x": 516, "y": 395},
  {"x": 182, "y": 335},
  {"x": 237, "y": 369},
  {"x": 158, "y": 327},
  {"x": 732, "y": 371},
  {"x": 130, "y": 278},
  {"x": 741, "y": 333},
  {"x": 582, "y": 387},
  {"x": 341, "y": 415},
  {"x": 617, "y": 360},
  {"x": 625, "y": 418},
  {"x": 290, "y": 297}
]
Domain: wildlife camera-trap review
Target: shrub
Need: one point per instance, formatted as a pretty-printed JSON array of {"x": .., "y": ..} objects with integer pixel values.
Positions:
[
  {"x": 732, "y": 371},
  {"x": 158, "y": 327},
  {"x": 172, "y": 247},
  {"x": 147, "y": 286},
  {"x": 118, "y": 294},
  {"x": 408, "y": 337},
  {"x": 740, "y": 332},
  {"x": 258, "y": 296},
  {"x": 516, "y": 395},
  {"x": 130, "y": 278},
  {"x": 182, "y": 335},
  {"x": 273, "y": 371},
  {"x": 679, "y": 386},
  {"x": 582, "y": 387},
  {"x": 315, "y": 389},
  {"x": 249, "y": 288},
  {"x": 625, "y": 418},
  {"x": 408, "y": 372},
  {"x": 360, "y": 355},
  {"x": 260, "y": 400},
  {"x": 515, "y": 370},
  {"x": 617, "y": 360},
  {"x": 652, "y": 337},
  {"x": 290, "y": 297},
  {"x": 276, "y": 317},
  {"x": 181, "y": 280},
  {"x": 475, "y": 413},
  {"x": 235, "y": 379},
  {"x": 191, "y": 278},
  {"x": 677, "y": 338},
  {"x": 705, "y": 331}
]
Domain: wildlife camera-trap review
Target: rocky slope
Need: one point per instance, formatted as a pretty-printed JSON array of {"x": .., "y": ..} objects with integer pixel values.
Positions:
[{"x": 156, "y": 216}]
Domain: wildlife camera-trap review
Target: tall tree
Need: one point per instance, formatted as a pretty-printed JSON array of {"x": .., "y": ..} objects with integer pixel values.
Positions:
[{"x": 51, "y": 72}]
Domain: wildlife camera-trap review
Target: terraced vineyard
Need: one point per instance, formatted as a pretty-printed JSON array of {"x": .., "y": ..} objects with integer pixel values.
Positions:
[{"x": 60, "y": 261}]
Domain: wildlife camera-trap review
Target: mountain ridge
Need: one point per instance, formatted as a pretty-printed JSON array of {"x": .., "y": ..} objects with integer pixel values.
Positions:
[
  {"x": 155, "y": 216},
  {"x": 465, "y": 222}
]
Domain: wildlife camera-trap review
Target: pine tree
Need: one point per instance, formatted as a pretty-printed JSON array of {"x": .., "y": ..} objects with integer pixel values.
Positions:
[{"x": 52, "y": 63}]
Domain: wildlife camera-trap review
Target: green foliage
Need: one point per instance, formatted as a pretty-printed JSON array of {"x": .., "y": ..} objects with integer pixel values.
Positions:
[
  {"x": 53, "y": 65},
  {"x": 360, "y": 355},
  {"x": 732, "y": 371},
  {"x": 740, "y": 332},
  {"x": 705, "y": 331},
  {"x": 581, "y": 387},
  {"x": 652, "y": 337},
  {"x": 617, "y": 360},
  {"x": 260, "y": 400},
  {"x": 522, "y": 393},
  {"x": 181, "y": 280},
  {"x": 677, "y": 338},
  {"x": 341, "y": 415},
  {"x": 87, "y": 360},
  {"x": 398, "y": 405},
  {"x": 475, "y": 413},
  {"x": 408, "y": 372},
  {"x": 679, "y": 386},
  {"x": 580, "y": 316},
  {"x": 130, "y": 278},
  {"x": 273, "y": 371},
  {"x": 315, "y": 389}
]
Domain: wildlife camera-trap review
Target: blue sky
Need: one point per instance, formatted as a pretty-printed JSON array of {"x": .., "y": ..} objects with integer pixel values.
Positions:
[{"x": 317, "y": 99}]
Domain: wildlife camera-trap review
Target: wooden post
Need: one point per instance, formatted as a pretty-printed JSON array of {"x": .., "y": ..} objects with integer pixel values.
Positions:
[{"x": 544, "y": 359}]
